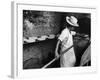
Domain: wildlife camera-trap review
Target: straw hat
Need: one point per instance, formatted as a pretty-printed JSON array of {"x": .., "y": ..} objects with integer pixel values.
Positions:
[{"x": 72, "y": 21}]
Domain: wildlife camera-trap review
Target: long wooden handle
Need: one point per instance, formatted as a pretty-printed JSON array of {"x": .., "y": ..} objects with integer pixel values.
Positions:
[
  {"x": 56, "y": 58},
  {"x": 49, "y": 63}
]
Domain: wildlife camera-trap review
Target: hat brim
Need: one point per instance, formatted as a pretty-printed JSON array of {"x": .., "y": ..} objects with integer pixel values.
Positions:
[{"x": 75, "y": 25}]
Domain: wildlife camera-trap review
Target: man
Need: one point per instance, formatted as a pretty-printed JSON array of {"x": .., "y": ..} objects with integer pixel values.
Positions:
[{"x": 65, "y": 40}]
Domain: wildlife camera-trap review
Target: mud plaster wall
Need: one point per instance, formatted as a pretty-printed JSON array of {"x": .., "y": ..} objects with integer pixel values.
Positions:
[{"x": 38, "y": 23}]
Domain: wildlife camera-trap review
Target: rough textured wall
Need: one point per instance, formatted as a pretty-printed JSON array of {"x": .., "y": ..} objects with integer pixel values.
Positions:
[{"x": 38, "y": 23}]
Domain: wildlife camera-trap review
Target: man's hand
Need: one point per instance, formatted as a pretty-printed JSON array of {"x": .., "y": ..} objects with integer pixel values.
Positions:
[
  {"x": 73, "y": 32},
  {"x": 56, "y": 55}
]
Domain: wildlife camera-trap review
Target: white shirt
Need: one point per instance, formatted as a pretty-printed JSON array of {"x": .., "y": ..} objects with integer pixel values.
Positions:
[
  {"x": 66, "y": 38},
  {"x": 68, "y": 58}
]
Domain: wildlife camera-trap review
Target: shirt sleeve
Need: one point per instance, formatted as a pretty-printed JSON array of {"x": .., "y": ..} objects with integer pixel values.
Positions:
[{"x": 64, "y": 34}]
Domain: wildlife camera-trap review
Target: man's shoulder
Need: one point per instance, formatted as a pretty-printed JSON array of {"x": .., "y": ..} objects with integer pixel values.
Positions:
[{"x": 65, "y": 30}]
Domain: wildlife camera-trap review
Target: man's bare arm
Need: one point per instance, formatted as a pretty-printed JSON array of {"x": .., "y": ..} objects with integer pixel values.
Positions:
[{"x": 57, "y": 48}]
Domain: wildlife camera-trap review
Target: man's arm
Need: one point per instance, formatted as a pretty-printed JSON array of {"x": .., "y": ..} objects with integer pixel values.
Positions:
[{"x": 57, "y": 48}]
